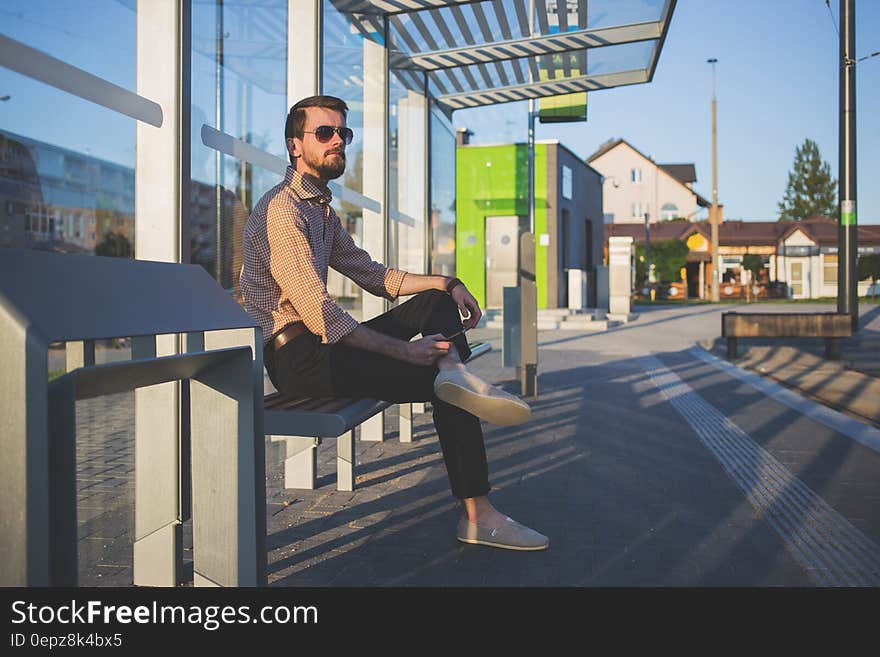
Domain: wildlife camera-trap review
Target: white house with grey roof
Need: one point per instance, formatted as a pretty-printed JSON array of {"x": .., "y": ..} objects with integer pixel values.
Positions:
[{"x": 635, "y": 185}]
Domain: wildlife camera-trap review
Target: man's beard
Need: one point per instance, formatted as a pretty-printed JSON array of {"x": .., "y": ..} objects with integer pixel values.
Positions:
[{"x": 330, "y": 170}]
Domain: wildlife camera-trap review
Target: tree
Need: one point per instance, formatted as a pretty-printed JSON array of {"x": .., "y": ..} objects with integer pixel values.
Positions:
[
  {"x": 114, "y": 245},
  {"x": 869, "y": 267},
  {"x": 667, "y": 256},
  {"x": 753, "y": 262},
  {"x": 811, "y": 190}
]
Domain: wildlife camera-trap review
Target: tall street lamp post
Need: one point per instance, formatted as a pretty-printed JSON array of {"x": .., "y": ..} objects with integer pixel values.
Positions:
[
  {"x": 714, "y": 218},
  {"x": 649, "y": 280}
]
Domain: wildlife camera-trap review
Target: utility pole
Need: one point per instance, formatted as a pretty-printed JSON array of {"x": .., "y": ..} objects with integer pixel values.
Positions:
[
  {"x": 649, "y": 280},
  {"x": 716, "y": 261},
  {"x": 847, "y": 291}
]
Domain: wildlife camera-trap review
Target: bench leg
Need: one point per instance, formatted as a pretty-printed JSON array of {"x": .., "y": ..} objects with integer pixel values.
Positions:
[
  {"x": 373, "y": 430},
  {"x": 62, "y": 486},
  {"x": 406, "y": 423},
  {"x": 228, "y": 477},
  {"x": 832, "y": 348},
  {"x": 79, "y": 354},
  {"x": 157, "y": 546},
  {"x": 345, "y": 458},
  {"x": 300, "y": 462},
  {"x": 731, "y": 347}
]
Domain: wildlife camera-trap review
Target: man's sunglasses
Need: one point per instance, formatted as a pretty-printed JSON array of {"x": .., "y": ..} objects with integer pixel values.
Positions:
[{"x": 324, "y": 133}]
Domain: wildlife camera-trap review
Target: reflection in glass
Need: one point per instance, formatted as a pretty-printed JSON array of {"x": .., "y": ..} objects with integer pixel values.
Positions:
[
  {"x": 54, "y": 199},
  {"x": 342, "y": 76},
  {"x": 67, "y": 170},
  {"x": 406, "y": 136},
  {"x": 442, "y": 216},
  {"x": 239, "y": 86},
  {"x": 67, "y": 165}
]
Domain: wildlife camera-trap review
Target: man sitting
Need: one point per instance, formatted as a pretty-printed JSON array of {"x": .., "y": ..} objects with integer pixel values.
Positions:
[{"x": 315, "y": 349}]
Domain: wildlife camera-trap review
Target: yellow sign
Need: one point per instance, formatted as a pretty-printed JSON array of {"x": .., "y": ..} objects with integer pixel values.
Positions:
[{"x": 697, "y": 242}]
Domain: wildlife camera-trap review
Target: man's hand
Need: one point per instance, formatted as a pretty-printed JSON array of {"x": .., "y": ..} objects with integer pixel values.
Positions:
[
  {"x": 426, "y": 350},
  {"x": 467, "y": 305}
]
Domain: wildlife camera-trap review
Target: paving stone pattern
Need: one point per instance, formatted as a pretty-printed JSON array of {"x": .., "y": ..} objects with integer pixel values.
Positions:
[{"x": 607, "y": 468}]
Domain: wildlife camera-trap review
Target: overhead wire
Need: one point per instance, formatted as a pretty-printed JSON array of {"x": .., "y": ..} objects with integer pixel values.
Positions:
[{"x": 850, "y": 62}]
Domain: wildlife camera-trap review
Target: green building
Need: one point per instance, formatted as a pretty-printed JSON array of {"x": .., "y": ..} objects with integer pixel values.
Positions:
[{"x": 492, "y": 211}]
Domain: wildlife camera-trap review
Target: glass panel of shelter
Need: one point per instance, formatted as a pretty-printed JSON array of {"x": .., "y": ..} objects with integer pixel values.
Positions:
[
  {"x": 67, "y": 178},
  {"x": 239, "y": 69}
]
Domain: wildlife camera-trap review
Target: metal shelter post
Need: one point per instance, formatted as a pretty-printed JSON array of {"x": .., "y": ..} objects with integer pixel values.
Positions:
[
  {"x": 529, "y": 317},
  {"x": 847, "y": 291}
]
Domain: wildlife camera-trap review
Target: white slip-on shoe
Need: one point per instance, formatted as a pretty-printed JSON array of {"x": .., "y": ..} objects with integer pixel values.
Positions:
[
  {"x": 510, "y": 535},
  {"x": 469, "y": 392}
]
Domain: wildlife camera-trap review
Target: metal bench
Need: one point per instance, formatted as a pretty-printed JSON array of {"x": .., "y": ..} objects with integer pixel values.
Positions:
[
  {"x": 831, "y": 326},
  {"x": 296, "y": 426},
  {"x": 76, "y": 299}
]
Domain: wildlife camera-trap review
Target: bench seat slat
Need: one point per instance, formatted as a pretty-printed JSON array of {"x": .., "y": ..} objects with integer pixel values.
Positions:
[
  {"x": 327, "y": 417},
  {"x": 478, "y": 349},
  {"x": 310, "y": 418},
  {"x": 323, "y": 405},
  {"x": 322, "y": 424}
]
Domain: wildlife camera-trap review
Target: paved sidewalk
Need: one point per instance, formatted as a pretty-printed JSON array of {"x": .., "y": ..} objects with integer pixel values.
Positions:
[
  {"x": 648, "y": 462},
  {"x": 850, "y": 385},
  {"x": 726, "y": 489}
]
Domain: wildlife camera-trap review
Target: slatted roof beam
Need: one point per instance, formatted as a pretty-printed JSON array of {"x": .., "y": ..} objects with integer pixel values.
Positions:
[
  {"x": 531, "y": 46},
  {"x": 501, "y": 17},
  {"x": 469, "y": 37},
  {"x": 487, "y": 35},
  {"x": 450, "y": 40},
  {"x": 544, "y": 89},
  {"x": 523, "y": 18},
  {"x": 397, "y": 6}
]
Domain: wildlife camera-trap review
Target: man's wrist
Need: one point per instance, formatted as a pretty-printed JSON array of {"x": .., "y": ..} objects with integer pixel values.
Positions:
[{"x": 451, "y": 284}]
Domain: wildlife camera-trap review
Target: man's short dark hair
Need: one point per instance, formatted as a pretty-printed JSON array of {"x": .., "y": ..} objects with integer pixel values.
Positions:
[{"x": 296, "y": 117}]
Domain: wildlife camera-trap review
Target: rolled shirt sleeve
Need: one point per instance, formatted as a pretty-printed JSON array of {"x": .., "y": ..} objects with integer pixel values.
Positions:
[{"x": 350, "y": 260}]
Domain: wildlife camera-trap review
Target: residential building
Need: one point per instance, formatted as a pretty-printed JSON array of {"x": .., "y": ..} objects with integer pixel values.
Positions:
[
  {"x": 636, "y": 187},
  {"x": 799, "y": 257},
  {"x": 55, "y": 199}
]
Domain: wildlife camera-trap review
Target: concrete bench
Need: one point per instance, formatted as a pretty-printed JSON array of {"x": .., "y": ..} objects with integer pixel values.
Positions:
[
  {"x": 296, "y": 426},
  {"x": 831, "y": 326}
]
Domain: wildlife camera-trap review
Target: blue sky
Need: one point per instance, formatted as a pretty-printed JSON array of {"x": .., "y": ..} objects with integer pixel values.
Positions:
[
  {"x": 98, "y": 36},
  {"x": 776, "y": 84}
]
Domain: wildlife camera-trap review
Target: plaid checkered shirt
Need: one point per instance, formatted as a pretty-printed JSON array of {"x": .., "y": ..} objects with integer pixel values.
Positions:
[{"x": 290, "y": 239}]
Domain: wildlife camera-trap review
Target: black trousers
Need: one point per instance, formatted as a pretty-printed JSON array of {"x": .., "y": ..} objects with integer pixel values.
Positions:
[{"x": 306, "y": 367}]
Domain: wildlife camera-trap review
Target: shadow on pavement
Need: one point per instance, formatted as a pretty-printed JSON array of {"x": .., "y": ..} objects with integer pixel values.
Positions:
[{"x": 607, "y": 468}]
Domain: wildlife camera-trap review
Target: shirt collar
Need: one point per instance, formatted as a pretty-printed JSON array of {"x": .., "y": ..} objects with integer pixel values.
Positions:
[{"x": 307, "y": 186}]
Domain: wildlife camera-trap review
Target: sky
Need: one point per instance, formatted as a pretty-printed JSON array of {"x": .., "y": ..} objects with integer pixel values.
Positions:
[
  {"x": 98, "y": 36},
  {"x": 776, "y": 85}
]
